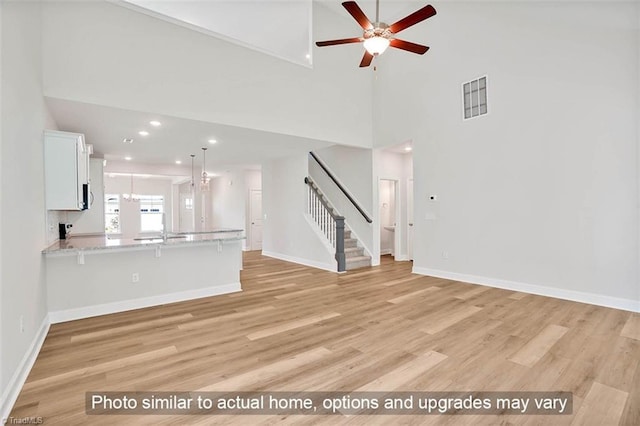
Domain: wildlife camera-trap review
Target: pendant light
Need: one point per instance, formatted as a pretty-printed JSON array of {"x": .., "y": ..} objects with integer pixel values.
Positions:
[
  {"x": 204, "y": 180},
  {"x": 131, "y": 196},
  {"x": 193, "y": 179}
]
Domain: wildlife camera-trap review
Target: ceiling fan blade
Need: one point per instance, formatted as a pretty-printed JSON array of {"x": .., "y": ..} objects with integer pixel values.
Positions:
[
  {"x": 366, "y": 59},
  {"x": 340, "y": 41},
  {"x": 417, "y": 16},
  {"x": 357, "y": 13},
  {"x": 408, "y": 46}
]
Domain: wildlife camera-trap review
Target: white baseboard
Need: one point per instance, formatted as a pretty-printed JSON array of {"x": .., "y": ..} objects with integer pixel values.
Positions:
[
  {"x": 559, "y": 293},
  {"x": 20, "y": 376},
  {"x": 145, "y": 302},
  {"x": 306, "y": 262}
]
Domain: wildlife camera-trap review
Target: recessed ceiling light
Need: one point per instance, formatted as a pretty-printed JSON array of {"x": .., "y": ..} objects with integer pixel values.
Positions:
[
  {"x": 155, "y": 123},
  {"x": 407, "y": 148},
  {"x": 127, "y": 140},
  {"x": 143, "y": 133},
  {"x": 212, "y": 141},
  {"x": 308, "y": 56},
  {"x": 128, "y": 158},
  {"x": 178, "y": 162}
]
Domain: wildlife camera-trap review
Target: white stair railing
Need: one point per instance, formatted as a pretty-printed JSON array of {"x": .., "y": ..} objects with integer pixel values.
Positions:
[{"x": 330, "y": 223}]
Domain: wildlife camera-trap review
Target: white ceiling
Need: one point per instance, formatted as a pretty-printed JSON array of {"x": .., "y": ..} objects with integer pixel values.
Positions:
[{"x": 175, "y": 139}]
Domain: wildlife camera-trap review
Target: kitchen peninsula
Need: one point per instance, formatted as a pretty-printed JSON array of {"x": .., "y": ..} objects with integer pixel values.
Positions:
[{"x": 96, "y": 275}]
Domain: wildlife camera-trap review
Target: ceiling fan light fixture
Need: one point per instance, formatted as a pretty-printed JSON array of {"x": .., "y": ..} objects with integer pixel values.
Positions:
[{"x": 376, "y": 45}]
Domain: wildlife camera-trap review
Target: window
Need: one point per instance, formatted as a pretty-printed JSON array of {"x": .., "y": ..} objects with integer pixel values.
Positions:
[
  {"x": 112, "y": 213},
  {"x": 151, "y": 213},
  {"x": 475, "y": 98}
]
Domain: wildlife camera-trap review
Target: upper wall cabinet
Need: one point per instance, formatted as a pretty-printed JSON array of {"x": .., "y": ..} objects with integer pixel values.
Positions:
[{"x": 66, "y": 171}]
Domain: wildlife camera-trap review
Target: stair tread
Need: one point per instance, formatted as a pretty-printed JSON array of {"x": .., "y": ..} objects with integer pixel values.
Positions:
[
  {"x": 352, "y": 249},
  {"x": 358, "y": 258}
]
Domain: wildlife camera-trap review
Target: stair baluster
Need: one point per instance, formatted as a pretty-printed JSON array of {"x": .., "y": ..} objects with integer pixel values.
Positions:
[{"x": 331, "y": 224}]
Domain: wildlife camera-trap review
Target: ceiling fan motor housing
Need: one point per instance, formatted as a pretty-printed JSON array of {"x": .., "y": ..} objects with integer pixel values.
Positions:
[{"x": 380, "y": 29}]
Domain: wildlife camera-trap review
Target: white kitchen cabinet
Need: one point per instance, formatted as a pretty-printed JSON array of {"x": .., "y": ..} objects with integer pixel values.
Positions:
[{"x": 66, "y": 171}]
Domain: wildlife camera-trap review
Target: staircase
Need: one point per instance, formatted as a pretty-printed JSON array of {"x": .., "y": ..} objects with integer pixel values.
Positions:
[
  {"x": 325, "y": 215},
  {"x": 355, "y": 257}
]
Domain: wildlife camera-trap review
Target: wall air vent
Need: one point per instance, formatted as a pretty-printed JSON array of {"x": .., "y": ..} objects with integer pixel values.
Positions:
[{"x": 474, "y": 95}]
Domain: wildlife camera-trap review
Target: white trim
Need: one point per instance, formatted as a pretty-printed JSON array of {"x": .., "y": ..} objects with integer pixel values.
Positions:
[
  {"x": 145, "y": 302},
  {"x": 559, "y": 293},
  {"x": 20, "y": 376},
  {"x": 306, "y": 262}
]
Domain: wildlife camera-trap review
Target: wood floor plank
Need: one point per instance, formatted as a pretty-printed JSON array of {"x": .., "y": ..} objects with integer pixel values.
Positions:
[
  {"x": 245, "y": 380},
  {"x": 291, "y": 325},
  {"x": 404, "y": 373},
  {"x": 451, "y": 319},
  {"x": 603, "y": 405},
  {"x": 131, "y": 327},
  {"x": 537, "y": 347},
  {"x": 294, "y": 294},
  {"x": 193, "y": 325},
  {"x": 632, "y": 327},
  {"x": 473, "y": 292},
  {"x": 413, "y": 295}
]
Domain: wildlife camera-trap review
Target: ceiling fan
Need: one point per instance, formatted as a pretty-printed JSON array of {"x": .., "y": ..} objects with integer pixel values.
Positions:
[{"x": 378, "y": 36}]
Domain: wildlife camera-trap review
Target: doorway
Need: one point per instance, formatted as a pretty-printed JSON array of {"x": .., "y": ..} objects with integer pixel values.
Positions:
[{"x": 389, "y": 229}]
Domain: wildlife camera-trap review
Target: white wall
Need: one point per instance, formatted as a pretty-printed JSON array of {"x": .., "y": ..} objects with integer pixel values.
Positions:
[
  {"x": 23, "y": 118},
  {"x": 353, "y": 167},
  {"x": 543, "y": 190},
  {"x": 129, "y": 210},
  {"x": 286, "y": 233},
  {"x": 197, "y": 76},
  {"x": 230, "y": 198}
]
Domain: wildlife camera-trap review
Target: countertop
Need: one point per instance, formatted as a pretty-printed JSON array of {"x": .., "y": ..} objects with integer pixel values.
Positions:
[{"x": 76, "y": 244}]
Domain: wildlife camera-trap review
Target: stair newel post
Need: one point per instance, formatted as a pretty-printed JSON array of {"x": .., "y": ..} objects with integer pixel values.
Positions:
[{"x": 340, "y": 256}]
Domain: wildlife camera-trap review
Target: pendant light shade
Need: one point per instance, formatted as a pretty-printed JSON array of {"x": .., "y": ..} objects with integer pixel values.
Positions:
[
  {"x": 193, "y": 178},
  {"x": 204, "y": 180}
]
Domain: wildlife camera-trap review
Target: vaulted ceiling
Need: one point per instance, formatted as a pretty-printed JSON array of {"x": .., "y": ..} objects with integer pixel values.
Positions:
[{"x": 280, "y": 28}]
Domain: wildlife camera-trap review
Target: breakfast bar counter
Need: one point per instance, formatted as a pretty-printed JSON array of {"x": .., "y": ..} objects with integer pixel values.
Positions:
[
  {"x": 95, "y": 275},
  {"x": 84, "y": 243}
]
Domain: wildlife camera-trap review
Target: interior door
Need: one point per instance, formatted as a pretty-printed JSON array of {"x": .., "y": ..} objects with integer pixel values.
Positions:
[
  {"x": 410, "y": 219},
  {"x": 256, "y": 219},
  {"x": 186, "y": 212}
]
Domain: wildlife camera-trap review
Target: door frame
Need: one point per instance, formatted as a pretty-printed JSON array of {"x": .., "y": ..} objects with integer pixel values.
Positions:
[
  {"x": 398, "y": 218},
  {"x": 250, "y": 221}
]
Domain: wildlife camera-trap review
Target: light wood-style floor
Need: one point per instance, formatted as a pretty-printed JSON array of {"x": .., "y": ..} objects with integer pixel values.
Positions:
[{"x": 295, "y": 328}]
